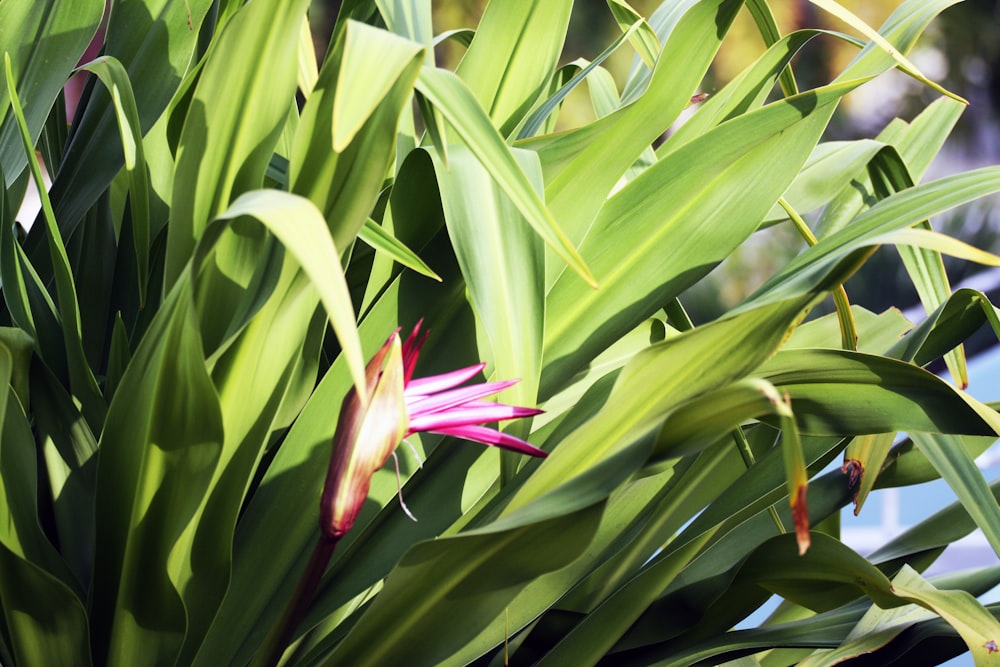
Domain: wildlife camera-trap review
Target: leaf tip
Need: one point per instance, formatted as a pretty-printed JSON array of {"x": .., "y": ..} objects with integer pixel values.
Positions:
[{"x": 800, "y": 515}]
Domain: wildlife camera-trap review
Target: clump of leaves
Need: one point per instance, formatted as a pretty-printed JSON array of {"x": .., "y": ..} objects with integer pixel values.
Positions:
[{"x": 233, "y": 228}]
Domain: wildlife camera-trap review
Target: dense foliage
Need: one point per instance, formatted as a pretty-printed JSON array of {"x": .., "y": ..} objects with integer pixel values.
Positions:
[{"x": 170, "y": 382}]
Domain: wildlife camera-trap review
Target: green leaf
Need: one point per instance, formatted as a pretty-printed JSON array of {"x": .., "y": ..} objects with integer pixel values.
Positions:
[
  {"x": 512, "y": 56},
  {"x": 624, "y": 512},
  {"x": 747, "y": 91},
  {"x": 827, "y": 576},
  {"x": 768, "y": 28},
  {"x": 655, "y": 383},
  {"x": 976, "y": 625},
  {"x": 224, "y": 151},
  {"x": 898, "y": 211},
  {"x": 839, "y": 392},
  {"x": 273, "y": 539},
  {"x": 876, "y": 332},
  {"x": 467, "y": 580},
  {"x": 115, "y": 79},
  {"x": 588, "y": 71},
  {"x": 69, "y": 449},
  {"x": 918, "y": 141},
  {"x": 901, "y": 30},
  {"x": 808, "y": 580},
  {"x": 46, "y": 622},
  {"x": 829, "y": 169},
  {"x": 748, "y": 493},
  {"x": 455, "y": 102},
  {"x": 382, "y": 241},
  {"x": 156, "y": 42},
  {"x": 648, "y": 244},
  {"x": 703, "y": 420},
  {"x": 708, "y": 597},
  {"x": 838, "y": 10},
  {"x": 957, "y": 467},
  {"x": 952, "y": 322},
  {"x": 158, "y": 453},
  {"x": 645, "y": 41},
  {"x": 921, "y": 544},
  {"x": 308, "y": 67},
  {"x": 309, "y": 242},
  {"x": 44, "y": 40},
  {"x": 501, "y": 259},
  {"x": 81, "y": 377},
  {"x": 364, "y": 80},
  {"x": 345, "y": 141},
  {"x": 907, "y": 464},
  {"x": 410, "y": 19},
  {"x": 582, "y": 166},
  {"x": 45, "y": 619},
  {"x": 864, "y": 457}
]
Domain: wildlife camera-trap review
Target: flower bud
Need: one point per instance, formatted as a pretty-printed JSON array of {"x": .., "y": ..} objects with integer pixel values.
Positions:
[{"x": 365, "y": 438}]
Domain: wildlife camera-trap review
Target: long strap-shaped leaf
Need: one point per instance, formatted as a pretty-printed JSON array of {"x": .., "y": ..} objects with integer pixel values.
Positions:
[
  {"x": 670, "y": 226},
  {"x": 224, "y": 151},
  {"x": 841, "y": 12},
  {"x": 158, "y": 453},
  {"x": 502, "y": 261},
  {"x": 345, "y": 141},
  {"x": 897, "y": 212},
  {"x": 81, "y": 377},
  {"x": 156, "y": 41},
  {"x": 44, "y": 619},
  {"x": 115, "y": 79},
  {"x": 957, "y": 467},
  {"x": 456, "y": 103},
  {"x": 831, "y": 567},
  {"x": 507, "y": 69}
]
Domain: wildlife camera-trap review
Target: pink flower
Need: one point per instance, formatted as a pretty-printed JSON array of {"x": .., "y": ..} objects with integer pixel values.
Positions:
[
  {"x": 435, "y": 405},
  {"x": 399, "y": 406}
]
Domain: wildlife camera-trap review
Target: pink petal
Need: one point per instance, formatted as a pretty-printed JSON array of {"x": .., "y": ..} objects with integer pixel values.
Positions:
[
  {"x": 462, "y": 397},
  {"x": 411, "y": 351},
  {"x": 435, "y": 383},
  {"x": 479, "y": 414},
  {"x": 488, "y": 436}
]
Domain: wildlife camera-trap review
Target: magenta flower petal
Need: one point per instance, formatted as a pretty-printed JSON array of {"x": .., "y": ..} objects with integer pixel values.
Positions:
[
  {"x": 463, "y": 416},
  {"x": 488, "y": 436},
  {"x": 411, "y": 351},
  {"x": 437, "y": 404},
  {"x": 455, "y": 397},
  {"x": 436, "y": 383}
]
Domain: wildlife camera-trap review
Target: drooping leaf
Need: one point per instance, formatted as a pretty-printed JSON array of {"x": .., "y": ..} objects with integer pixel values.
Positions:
[
  {"x": 115, "y": 79},
  {"x": 224, "y": 151},
  {"x": 457, "y": 105},
  {"x": 81, "y": 376},
  {"x": 344, "y": 144},
  {"x": 156, "y": 42},
  {"x": 668, "y": 227}
]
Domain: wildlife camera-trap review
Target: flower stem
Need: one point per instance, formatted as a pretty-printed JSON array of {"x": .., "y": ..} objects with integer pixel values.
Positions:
[{"x": 281, "y": 635}]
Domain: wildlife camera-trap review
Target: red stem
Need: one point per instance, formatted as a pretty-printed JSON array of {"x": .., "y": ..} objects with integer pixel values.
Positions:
[{"x": 279, "y": 638}]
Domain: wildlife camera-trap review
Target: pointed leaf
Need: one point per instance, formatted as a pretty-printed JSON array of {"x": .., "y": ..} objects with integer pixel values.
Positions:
[{"x": 455, "y": 102}]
